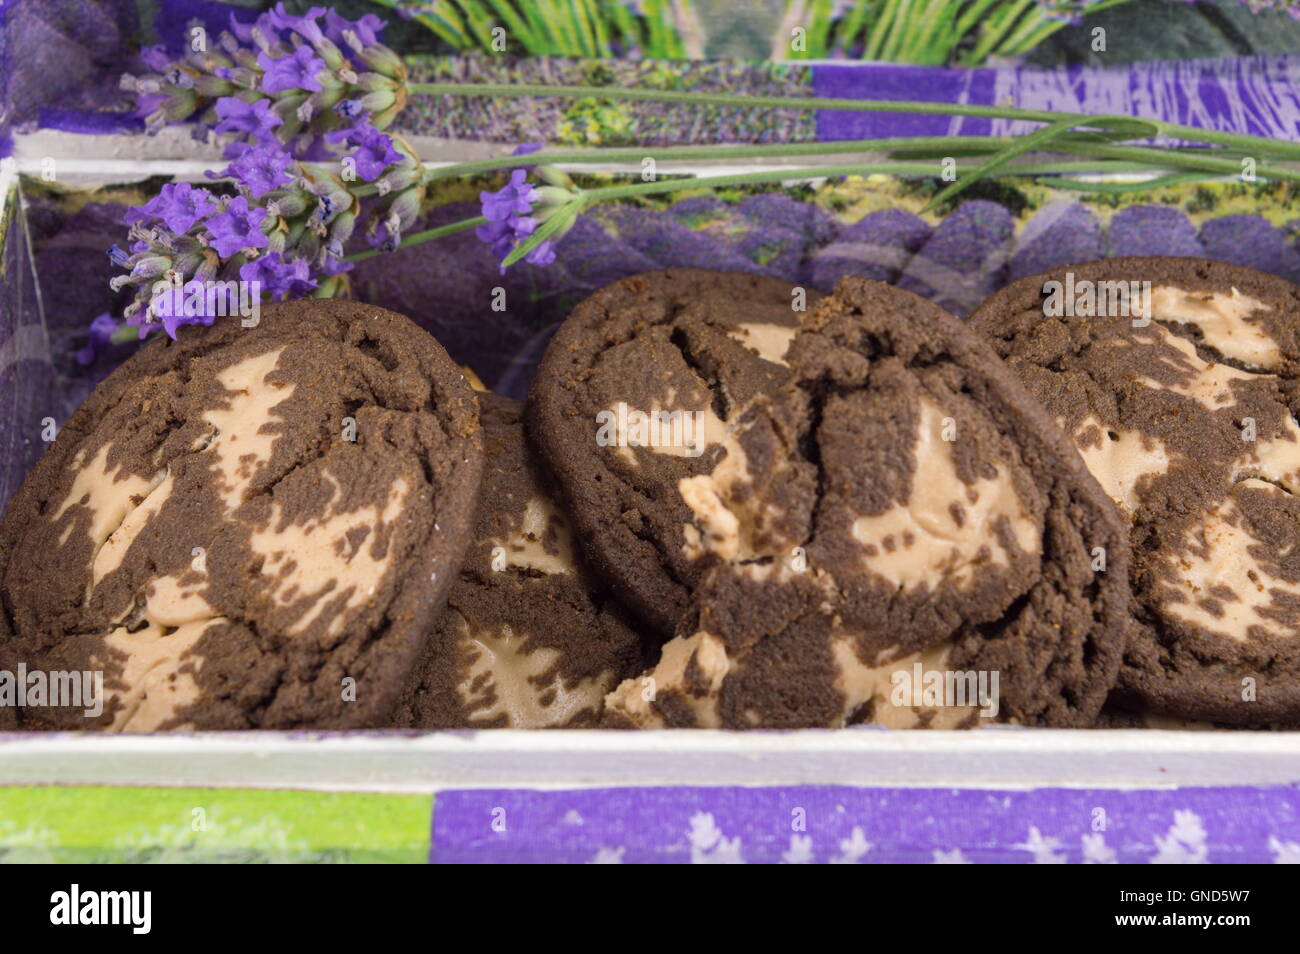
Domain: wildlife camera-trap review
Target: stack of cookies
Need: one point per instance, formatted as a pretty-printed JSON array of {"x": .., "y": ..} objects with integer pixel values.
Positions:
[{"x": 727, "y": 503}]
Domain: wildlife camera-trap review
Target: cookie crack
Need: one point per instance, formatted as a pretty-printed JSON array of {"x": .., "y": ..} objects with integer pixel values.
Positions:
[{"x": 719, "y": 400}]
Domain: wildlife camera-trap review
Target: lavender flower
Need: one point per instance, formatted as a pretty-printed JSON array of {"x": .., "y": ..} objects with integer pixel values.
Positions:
[
  {"x": 101, "y": 332},
  {"x": 292, "y": 92},
  {"x": 514, "y": 199},
  {"x": 517, "y": 209},
  {"x": 260, "y": 169},
  {"x": 280, "y": 239},
  {"x": 296, "y": 70},
  {"x": 280, "y": 278},
  {"x": 237, "y": 228},
  {"x": 286, "y": 73},
  {"x": 255, "y": 119},
  {"x": 365, "y": 30},
  {"x": 179, "y": 205},
  {"x": 374, "y": 151}
]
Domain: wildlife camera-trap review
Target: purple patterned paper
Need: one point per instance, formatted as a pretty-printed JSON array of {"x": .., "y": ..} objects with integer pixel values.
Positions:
[
  {"x": 841, "y": 825},
  {"x": 1248, "y": 94}
]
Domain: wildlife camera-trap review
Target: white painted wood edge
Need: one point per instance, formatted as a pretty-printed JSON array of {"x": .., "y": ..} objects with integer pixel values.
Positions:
[{"x": 396, "y": 762}]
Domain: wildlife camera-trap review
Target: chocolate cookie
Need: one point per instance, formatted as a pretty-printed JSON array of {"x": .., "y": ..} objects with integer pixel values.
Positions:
[
  {"x": 1179, "y": 381},
  {"x": 247, "y": 527},
  {"x": 529, "y": 640},
  {"x": 1114, "y": 717},
  {"x": 634, "y": 394},
  {"x": 898, "y": 534}
]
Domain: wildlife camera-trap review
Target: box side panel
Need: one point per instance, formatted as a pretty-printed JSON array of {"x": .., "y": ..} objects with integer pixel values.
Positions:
[{"x": 26, "y": 372}]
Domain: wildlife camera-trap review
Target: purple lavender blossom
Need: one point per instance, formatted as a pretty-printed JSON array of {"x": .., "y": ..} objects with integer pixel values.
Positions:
[
  {"x": 513, "y": 199},
  {"x": 297, "y": 70},
  {"x": 366, "y": 29},
  {"x": 349, "y": 109},
  {"x": 179, "y": 205},
  {"x": 374, "y": 151},
  {"x": 503, "y": 235},
  {"x": 260, "y": 169},
  {"x": 305, "y": 26},
  {"x": 510, "y": 213},
  {"x": 279, "y": 278},
  {"x": 255, "y": 119},
  {"x": 101, "y": 332},
  {"x": 237, "y": 228},
  {"x": 281, "y": 72},
  {"x": 172, "y": 322}
]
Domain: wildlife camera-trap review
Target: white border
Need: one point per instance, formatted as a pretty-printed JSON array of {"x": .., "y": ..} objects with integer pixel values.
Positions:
[{"x": 396, "y": 762}]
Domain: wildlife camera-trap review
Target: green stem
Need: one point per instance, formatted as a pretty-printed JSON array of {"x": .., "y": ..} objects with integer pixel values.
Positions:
[
  {"x": 1165, "y": 158},
  {"x": 1258, "y": 145},
  {"x": 941, "y": 145},
  {"x": 417, "y": 237},
  {"x": 1120, "y": 188},
  {"x": 1035, "y": 139}
]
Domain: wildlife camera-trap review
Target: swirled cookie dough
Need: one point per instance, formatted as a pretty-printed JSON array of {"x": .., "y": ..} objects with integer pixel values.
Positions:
[
  {"x": 1181, "y": 393},
  {"x": 634, "y": 393},
  {"x": 529, "y": 639},
  {"x": 247, "y": 527},
  {"x": 899, "y": 535}
]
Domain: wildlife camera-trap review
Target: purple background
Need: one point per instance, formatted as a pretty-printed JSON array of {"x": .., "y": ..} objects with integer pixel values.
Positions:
[
  {"x": 1247, "y": 94},
  {"x": 868, "y": 826}
]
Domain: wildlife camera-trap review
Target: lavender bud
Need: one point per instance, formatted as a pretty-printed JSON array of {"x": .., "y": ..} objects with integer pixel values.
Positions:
[
  {"x": 406, "y": 206},
  {"x": 349, "y": 108},
  {"x": 180, "y": 78},
  {"x": 549, "y": 196},
  {"x": 213, "y": 87},
  {"x": 379, "y": 100},
  {"x": 188, "y": 263},
  {"x": 207, "y": 267},
  {"x": 151, "y": 266},
  {"x": 382, "y": 60},
  {"x": 380, "y": 120},
  {"x": 399, "y": 177},
  {"x": 118, "y": 282},
  {"x": 180, "y": 105},
  {"x": 246, "y": 58},
  {"x": 308, "y": 245},
  {"x": 555, "y": 177},
  {"x": 373, "y": 82},
  {"x": 290, "y": 205},
  {"x": 260, "y": 39},
  {"x": 330, "y": 53},
  {"x": 342, "y": 227}
]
